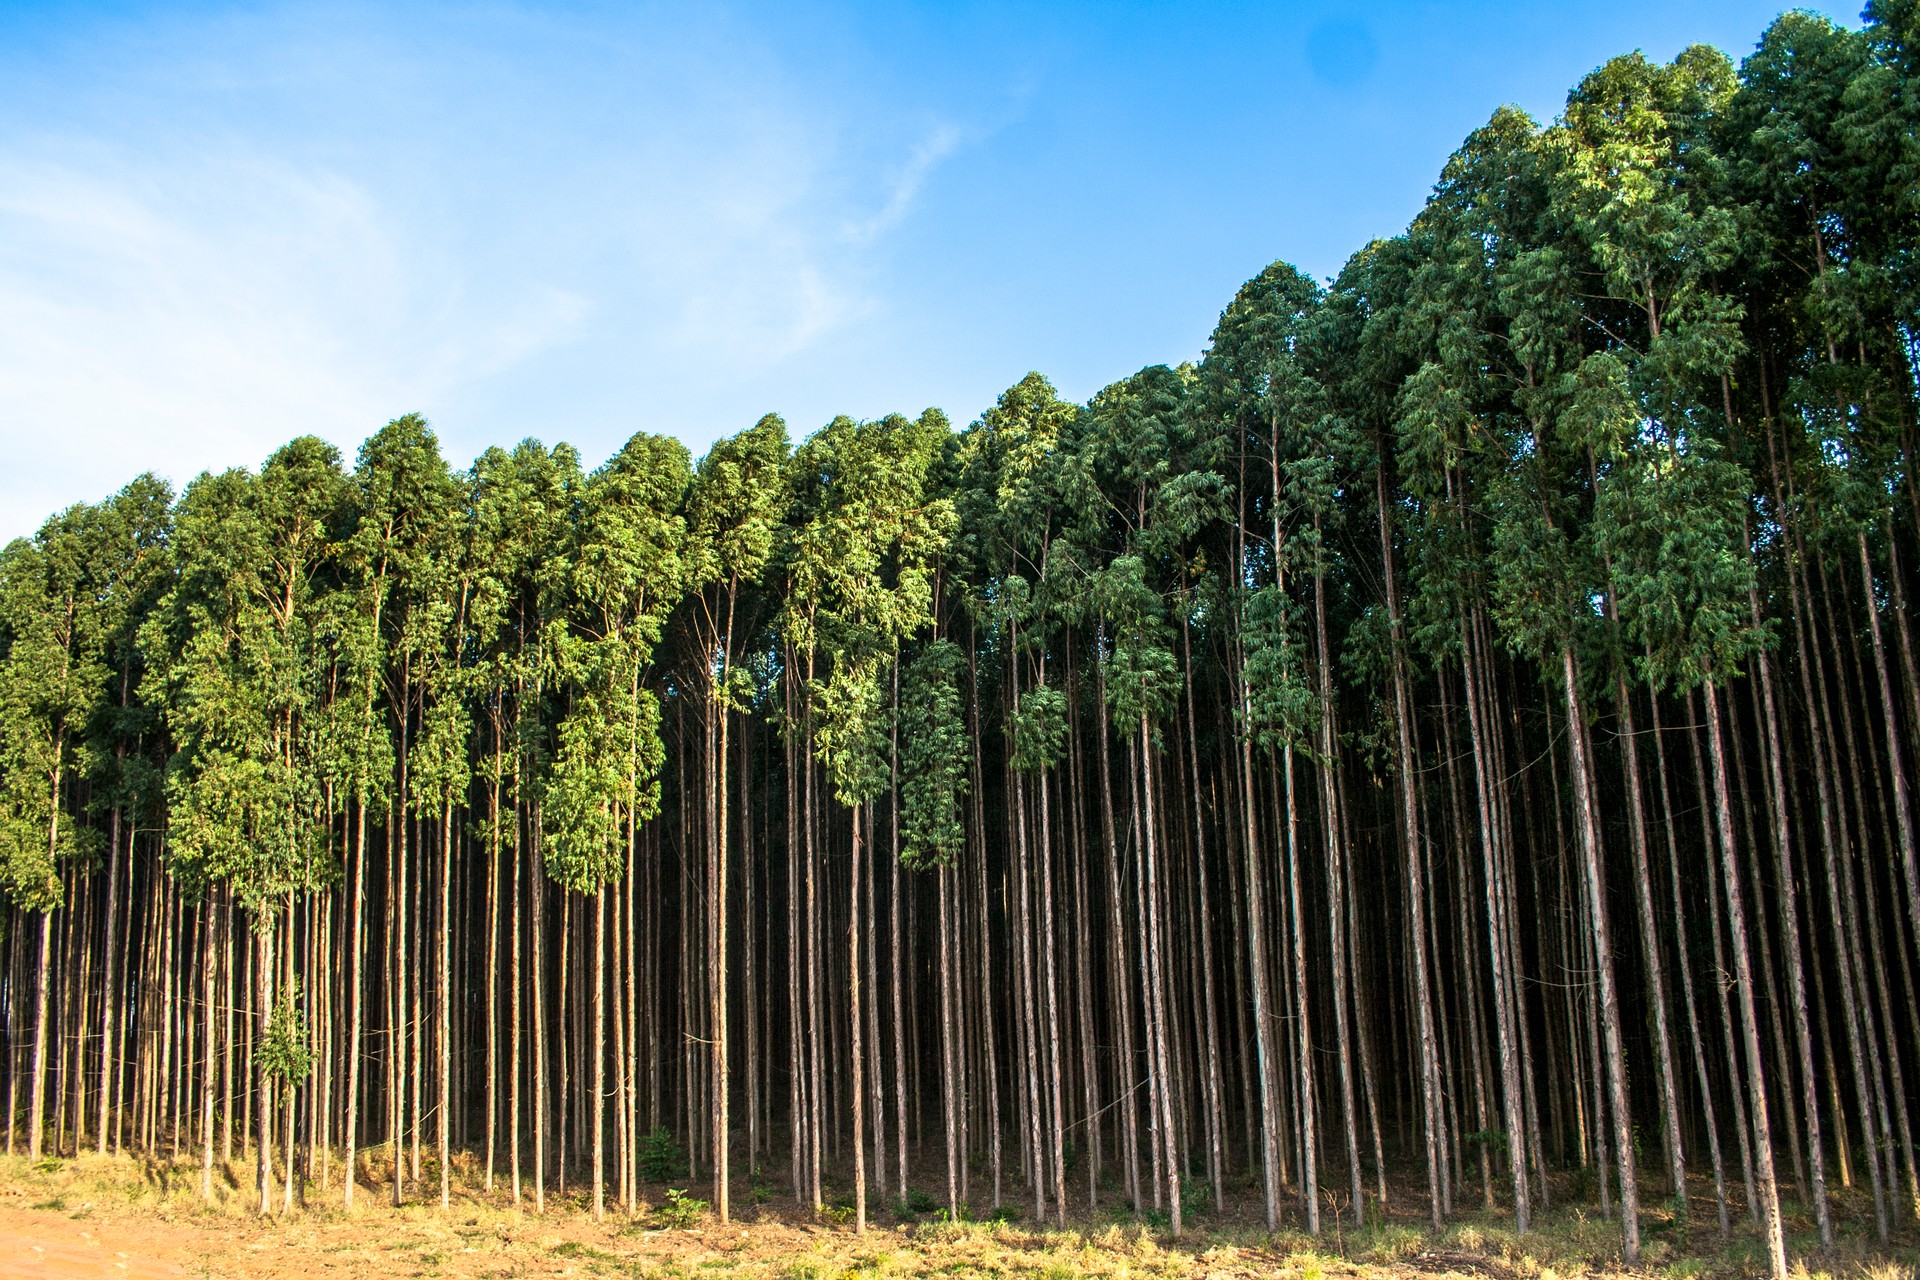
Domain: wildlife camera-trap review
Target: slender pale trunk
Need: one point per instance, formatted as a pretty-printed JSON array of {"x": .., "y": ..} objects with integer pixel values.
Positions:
[
  {"x": 109, "y": 999},
  {"x": 1258, "y": 964},
  {"x": 206, "y": 1042},
  {"x": 1336, "y": 895},
  {"x": 1122, "y": 972},
  {"x": 600, "y": 1051},
  {"x": 264, "y": 1082},
  {"x": 37, "y": 1112},
  {"x": 857, "y": 1056},
  {"x": 1416, "y": 881},
  {"x": 1787, "y": 881},
  {"x": 1302, "y": 1031},
  {"x": 949, "y": 1094},
  {"x": 1163, "y": 1083},
  {"x": 1498, "y": 926},
  {"x": 493, "y": 955},
  {"x": 397, "y": 1002},
  {"x": 1902, "y": 809},
  {"x": 1650, "y": 946},
  {"x": 515, "y": 1067},
  {"x": 443, "y": 1007},
  {"x": 1210, "y": 1021},
  {"x": 537, "y": 985},
  {"x": 717, "y": 931},
  {"x": 1050, "y": 990},
  {"x": 357, "y": 979},
  {"x": 1704, "y": 1081},
  {"x": 1589, "y": 828},
  {"x": 1743, "y": 976},
  {"x": 899, "y": 1004}
]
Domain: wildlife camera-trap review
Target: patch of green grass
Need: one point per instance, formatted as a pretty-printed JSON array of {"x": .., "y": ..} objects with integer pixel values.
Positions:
[
  {"x": 680, "y": 1210},
  {"x": 1386, "y": 1243},
  {"x": 916, "y": 1202}
]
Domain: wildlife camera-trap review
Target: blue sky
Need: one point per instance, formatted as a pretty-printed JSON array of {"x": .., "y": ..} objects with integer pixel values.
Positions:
[{"x": 222, "y": 226}]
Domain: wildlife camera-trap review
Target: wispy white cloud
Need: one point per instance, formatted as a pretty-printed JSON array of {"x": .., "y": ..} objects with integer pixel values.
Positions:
[
  {"x": 193, "y": 270},
  {"x": 903, "y": 185},
  {"x": 192, "y": 312}
]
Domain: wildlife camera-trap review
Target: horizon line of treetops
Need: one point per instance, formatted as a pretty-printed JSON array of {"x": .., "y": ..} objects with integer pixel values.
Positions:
[{"x": 1460, "y": 728}]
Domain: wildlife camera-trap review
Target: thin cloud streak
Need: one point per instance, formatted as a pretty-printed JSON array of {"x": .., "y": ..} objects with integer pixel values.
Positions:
[{"x": 191, "y": 295}]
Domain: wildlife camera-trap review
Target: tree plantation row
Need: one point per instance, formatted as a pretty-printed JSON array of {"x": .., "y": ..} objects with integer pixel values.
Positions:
[{"x": 1449, "y": 749}]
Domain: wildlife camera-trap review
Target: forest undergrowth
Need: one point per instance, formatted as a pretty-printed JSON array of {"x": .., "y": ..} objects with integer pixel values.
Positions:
[{"x": 143, "y": 1209}]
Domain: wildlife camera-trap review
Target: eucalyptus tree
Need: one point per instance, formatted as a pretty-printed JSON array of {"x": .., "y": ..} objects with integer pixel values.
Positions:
[
  {"x": 53, "y": 680},
  {"x": 1258, "y": 381},
  {"x": 133, "y": 566},
  {"x": 1545, "y": 575},
  {"x": 439, "y": 767},
  {"x": 1011, "y": 490},
  {"x": 1363, "y": 344},
  {"x": 1640, "y": 183},
  {"x": 934, "y": 783},
  {"x": 394, "y": 558},
  {"x": 524, "y": 503},
  {"x": 733, "y": 513},
  {"x": 1484, "y": 317},
  {"x": 233, "y": 656},
  {"x": 1130, "y": 447},
  {"x": 628, "y": 554},
  {"x": 1673, "y": 519},
  {"x": 861, "y": 554}
]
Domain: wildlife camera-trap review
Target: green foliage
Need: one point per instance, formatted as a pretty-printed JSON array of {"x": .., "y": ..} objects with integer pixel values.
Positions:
[
  {"x": 1283, "y": 708},
  {"x": 680, "y": 1211},
  {"x": 1038, "y": 729},
  {"x": 662, "y": 1159},
  {"x": 1672, "y": 523},
  {"x": 1143, "y": 676},
  {"x": 934, "y": 746},
  {"x": 57, "y": 617},
  {"x": 866, "y": 542},
  {"x": 733, "y": 506},
  {"x": 284, "y": 1052},
  {"x": 914, "y": 1204},
  {"x": 233, "y": 657},
  {"x": 1196, "y": 1198},
  {"x": 626, "y": 573}
]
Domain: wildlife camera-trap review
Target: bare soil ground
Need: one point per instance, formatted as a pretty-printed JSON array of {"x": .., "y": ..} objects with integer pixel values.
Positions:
[{"x": 119, "y": 1217}]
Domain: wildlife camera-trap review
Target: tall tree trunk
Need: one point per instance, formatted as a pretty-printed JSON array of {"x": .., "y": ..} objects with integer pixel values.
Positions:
[
  {"x": 263, "y": 975},
  {"x": 1704, "y": 1081},
  {"x": 1589, "y": 827},
  {"x": 1743, "y": 976},
  {"x": 1156, "y": 981},
  {"x": 443, "y": 996},
  {"x": 1902, "y": 808},
  {"x": 1416, "y": 885},
  {"x": 857, "y": 1058},
  {"x": 1650, "y": 944},
  {"x": 717, "y": 934},
  {"x": 600, "y": 1051},
  {"x": 37, "y": 1106}
]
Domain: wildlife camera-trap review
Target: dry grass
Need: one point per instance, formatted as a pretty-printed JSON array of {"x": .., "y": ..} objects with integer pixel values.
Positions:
[{"x": 143, "y": 1214}]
